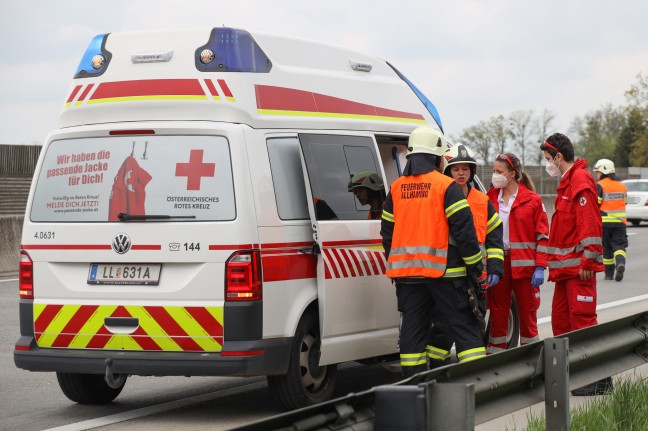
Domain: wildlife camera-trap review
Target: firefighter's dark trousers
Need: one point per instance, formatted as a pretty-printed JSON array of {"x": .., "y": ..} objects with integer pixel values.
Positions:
[
  {"x": 615, "y": 242},
  {"x": 447, "y": 300}
]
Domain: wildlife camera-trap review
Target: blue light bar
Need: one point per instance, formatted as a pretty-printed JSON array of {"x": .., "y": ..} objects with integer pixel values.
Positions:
[
  {"x": 233, "y": 51},
  {"x": 426, "y": 102},
  {"x": 97, "y": 47}
]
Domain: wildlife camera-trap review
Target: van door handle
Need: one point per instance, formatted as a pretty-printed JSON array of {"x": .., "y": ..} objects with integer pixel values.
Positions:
[{"x": 315, "y": 249}]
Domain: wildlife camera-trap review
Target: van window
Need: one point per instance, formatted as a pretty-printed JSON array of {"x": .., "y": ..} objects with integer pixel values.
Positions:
[
  {"x": 288, "y": 178},
  {"x": 331, "y": 161},
  {"x": 168, "y": 178}
]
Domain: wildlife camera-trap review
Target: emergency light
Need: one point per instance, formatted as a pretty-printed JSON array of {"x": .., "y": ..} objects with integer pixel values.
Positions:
[
  {"x": 231, "y": 50},
  {"x": 96, "y": 58}
]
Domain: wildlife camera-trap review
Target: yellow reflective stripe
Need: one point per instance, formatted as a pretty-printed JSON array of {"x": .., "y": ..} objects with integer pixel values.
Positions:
[
  {"x": 471, "y": 354},
  {"x": 38, "y": 309},
  {"x": 92, "y": 326},
  {"x": 115, "y": 343},
  {"x": 437, "y": 353},
  {"x": 459, "y": 205},
  {"x": 600, "y": 199},
  {"x": 190, "y": 326},
  {"x": 495, "y": 253},
  {"x": 471, "y": 260},
  {"x": 151, "y": 327},
  {"x": 55, "y": 328},
  {"x": 609, "y": 261},
  {"x": 129, "y": 343},
  {"x": 620, "y": 253},
  {"x": 387, "y": 216},
  {"x": 493, "y": 223},
  {"x": 455, "y": 272}
]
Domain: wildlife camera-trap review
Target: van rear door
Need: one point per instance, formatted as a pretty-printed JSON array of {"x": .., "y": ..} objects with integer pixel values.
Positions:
[{"x": 357, "y": 303}]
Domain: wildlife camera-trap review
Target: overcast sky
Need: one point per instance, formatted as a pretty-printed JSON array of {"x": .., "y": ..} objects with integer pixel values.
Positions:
[{"x": 473, "y": 59}]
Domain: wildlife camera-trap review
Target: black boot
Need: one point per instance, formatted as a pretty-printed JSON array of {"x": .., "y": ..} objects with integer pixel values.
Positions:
[
  {"x": 620, "y": 269},
  {"x": 597, "y": 388}
]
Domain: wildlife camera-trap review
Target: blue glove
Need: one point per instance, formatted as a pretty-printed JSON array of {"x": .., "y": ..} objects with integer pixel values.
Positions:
[
  {"x": 493, "y": 279},
  {"x": 538, "y": 277}
]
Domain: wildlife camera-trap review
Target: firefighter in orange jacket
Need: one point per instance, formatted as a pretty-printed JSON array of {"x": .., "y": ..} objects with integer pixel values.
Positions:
[
  {"x": 460, "y": 165},
  {"x": 612, "y": 199},
  {"x": 526, "y": 232},
  {"x": 574, "y": 251},
  {"x": 431, "y": 246}
]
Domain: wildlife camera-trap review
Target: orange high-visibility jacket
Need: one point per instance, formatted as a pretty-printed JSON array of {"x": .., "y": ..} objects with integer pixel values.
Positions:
[{"x": 612, "y": 201}]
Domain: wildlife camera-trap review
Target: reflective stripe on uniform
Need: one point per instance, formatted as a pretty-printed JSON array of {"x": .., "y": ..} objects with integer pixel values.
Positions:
[
  {"x": 497, "y": 340},
  {"x": 523, "y": 245},
  {"x": 471, "y": 354},
  {"x": 455, "y": 272},
  {"x": 471, "y": 260},
  {"x": 553, "y": 264},
  {"x": 522, "y": 262},
  {"x": 437, "y": 353},
  {"x": 412, "y": 359},
  {"x": 608, "y": 261},
  {"x": 541, "y": 236},
  {"x": 459, "y": 205},
  {"x": 591, "y": 254},
  {"x": 525, "y": 340},
  {"x": 591, "y": 240},
  {"x": 620, "y": 253},
  {"x": 387, "y": 216},
  {"x": 493, "y": 223},
  {"x": 541, "y": 249},
  {"x": 418, "y": 263},
  {"x": 493, "y": 349},
  {"x": 495, "y": 253}
]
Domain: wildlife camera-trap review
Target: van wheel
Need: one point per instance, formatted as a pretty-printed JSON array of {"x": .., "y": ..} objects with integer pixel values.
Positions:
[
  {"x": 87, "y": 388},
  {"x": 513, "y": 335},
  {"x": 635, "y": 222},
  {"x": 306, "y": 382}
]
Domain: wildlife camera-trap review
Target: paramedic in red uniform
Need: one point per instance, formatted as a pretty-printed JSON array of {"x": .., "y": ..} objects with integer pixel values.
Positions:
[
  {"x": 431, "y": 245},
  {"x": 460, "y": 165},
  {"x": 612, "y": 199},
  {"x": 526, "y": 232},
  {"x": 369, "y": 189},
  {"x": 574, "y": 251}
]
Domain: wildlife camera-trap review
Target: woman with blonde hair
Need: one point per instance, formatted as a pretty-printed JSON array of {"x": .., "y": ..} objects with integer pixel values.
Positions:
[{"x": 526, "y": 231}]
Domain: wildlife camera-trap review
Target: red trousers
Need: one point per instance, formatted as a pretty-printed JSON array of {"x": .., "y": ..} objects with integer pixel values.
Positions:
[
  {"x": 574, "y": 305},
  {"x": 499, "y": 302}
]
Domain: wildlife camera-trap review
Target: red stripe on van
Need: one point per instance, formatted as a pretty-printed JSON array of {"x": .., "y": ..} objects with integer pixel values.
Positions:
[
  {"x": 354, "y": 256},
  {"x": 289, "y": 267},
  {"x": 331, "y": 260},
  {"x": 225, "y": 88},
  {"x": 290, "y": 99},
  {"x": 144, "y": 340},
  {"x": 211, "y": 87},
  {"x": 45, "y": 318},
  {"x": 354, "y": 242},
  {"x": 85, "y": 92},
  {"x": 365, "y": 261},
  {"x": 148, "y": 87},
  {"x": 207, "y": 321},
  {"x": 66, "y": 246},
  {"x": 73, "y": 93},
  {"x": 146, "y": 247},
  {"x": 232, "y": 246},
  {"x": 75, "y": 324},
  {"x": 340, "y": 260},
  {"x": 287, "y": 244},
  {"x": 347, "y": 257}
]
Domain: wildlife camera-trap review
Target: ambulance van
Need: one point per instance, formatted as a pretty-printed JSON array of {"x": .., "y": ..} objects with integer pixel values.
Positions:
[{"x": 192, "y": 214}]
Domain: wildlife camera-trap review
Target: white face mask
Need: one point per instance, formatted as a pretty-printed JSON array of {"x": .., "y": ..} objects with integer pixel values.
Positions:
[
  {"x": 552, "y": 169},
  {"x": 499, "y": 181}
]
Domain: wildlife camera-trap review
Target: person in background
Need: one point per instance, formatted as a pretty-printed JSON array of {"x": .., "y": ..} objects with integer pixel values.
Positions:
[
  {"x": 574, "y": 250},
  {"x": 612, "y": 199},
  {"x": 460, "y": 165},
  {"x": 526, "y": 232},
  {"x": 431, "y": 245},
  {"x": 369, "y": 189}
]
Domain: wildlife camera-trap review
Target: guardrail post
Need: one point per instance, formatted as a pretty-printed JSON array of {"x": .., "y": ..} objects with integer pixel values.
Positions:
[
  {"x": 556, "y": 372},
  {"x": 451, "y": 406}
]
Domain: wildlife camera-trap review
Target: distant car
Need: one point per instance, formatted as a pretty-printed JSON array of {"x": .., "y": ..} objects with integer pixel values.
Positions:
[{"x": 637, "y": 207}]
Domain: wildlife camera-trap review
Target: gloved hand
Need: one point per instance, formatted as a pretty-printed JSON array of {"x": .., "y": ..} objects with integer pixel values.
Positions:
[
  {"x": 538, "y": 277},
  {"x": 493, "y": 279}
]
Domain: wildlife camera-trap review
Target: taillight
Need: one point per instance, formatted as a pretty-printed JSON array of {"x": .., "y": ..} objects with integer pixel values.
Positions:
[
  {"x": 26, "y": 276},
  {"x": 243, "y": 276}
]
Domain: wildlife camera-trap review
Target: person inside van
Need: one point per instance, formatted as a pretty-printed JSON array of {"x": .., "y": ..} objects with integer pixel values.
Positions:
[{"x": 369, "y": 189}]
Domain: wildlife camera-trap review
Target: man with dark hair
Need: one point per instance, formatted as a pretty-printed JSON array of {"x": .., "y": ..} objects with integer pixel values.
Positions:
[{"x": 574, "y": 250}]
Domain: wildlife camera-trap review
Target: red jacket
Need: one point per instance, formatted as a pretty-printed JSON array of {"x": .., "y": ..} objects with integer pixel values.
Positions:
[
  {"x": 128, "y": 193},
  {"x": 576, "y": 228},
  {"x": 528, "y": 231}
]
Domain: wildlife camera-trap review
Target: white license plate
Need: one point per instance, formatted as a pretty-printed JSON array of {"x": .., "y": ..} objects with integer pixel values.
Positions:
[{"x": 128, "y": 274}]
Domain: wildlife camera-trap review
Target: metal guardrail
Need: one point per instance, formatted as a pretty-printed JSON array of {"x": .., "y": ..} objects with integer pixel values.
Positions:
[{"x": 459, "y": 396}]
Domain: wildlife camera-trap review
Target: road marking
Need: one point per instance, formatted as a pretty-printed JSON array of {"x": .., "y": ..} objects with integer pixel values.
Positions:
[
  {"x": 544, "y": 320},
  {"x": 6, "y": 280},
  {"x": 158, "y": 408}
]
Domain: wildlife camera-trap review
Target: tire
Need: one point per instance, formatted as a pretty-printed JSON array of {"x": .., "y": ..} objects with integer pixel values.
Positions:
[
  {"x": 635, "y": 222},
  {"x": 87, "y": 388},
  {"x": 305, "y": 383},
  {"x": 513, "y": 335}
]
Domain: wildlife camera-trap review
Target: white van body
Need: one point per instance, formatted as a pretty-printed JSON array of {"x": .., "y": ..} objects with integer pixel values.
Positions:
[{"x": 171, "y": 227}]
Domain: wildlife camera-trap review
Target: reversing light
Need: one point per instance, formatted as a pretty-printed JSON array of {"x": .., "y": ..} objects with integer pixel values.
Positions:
[
  {"x": 231, "y": 50},
  {"x": 243, "y": 276},
  {"x": 96, "y": 58},
  {"x": 25, "y": 276}
]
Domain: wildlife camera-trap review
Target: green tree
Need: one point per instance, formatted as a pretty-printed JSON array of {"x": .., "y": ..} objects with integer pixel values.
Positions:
[
  {"x": 597, "y": 133},
  {"x": 637, "y": 97},
  {"x": 521, "y": 131}
]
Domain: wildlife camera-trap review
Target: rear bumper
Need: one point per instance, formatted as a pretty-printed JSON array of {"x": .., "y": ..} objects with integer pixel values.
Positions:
[{"x": 265, "y": 357}]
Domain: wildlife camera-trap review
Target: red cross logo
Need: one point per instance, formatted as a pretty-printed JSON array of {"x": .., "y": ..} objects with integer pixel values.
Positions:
[{"x": 195, "y": 169}]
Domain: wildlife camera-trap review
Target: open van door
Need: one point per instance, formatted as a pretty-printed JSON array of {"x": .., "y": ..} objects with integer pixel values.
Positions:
[{"x": 357, "y": 303}]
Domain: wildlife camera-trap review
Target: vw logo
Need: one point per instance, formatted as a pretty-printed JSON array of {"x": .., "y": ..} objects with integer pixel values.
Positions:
[{"x": 121, "y": 243}]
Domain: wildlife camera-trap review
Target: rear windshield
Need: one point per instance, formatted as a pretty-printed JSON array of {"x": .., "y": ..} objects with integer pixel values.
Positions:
[
  {"x": 169, "y": 178},
  {"x": 636, "y": 186}
]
